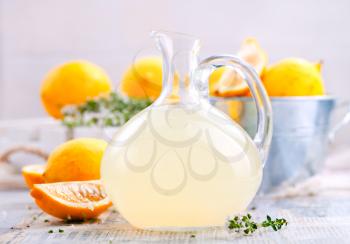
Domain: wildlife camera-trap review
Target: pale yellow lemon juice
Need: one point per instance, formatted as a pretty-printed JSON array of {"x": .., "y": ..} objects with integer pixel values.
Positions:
[
  {"x": 182, "y": 164},
  {"x": 174, "y": 172}
]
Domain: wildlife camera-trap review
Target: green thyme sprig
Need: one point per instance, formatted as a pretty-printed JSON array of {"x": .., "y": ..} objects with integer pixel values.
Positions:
[
  {"x": 276, "y": 224},
  {"x": 248, "y": 226},
  {"x": 111, "y": 110}
]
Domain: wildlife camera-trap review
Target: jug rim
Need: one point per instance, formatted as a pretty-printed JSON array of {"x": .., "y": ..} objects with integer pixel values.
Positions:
[
  {"x": 282, "y": 99},
  {"x": 172, "y": 33}
]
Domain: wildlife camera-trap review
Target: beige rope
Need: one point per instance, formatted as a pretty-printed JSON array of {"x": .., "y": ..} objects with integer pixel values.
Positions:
[{"x": 5, "y": 156}]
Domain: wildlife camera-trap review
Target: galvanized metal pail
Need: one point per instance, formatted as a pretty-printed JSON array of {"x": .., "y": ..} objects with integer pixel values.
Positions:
[{"x": 301, "y": 128}]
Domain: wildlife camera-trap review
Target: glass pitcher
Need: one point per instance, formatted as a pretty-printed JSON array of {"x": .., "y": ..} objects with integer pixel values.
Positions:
[{"x": 182, "y": 164}]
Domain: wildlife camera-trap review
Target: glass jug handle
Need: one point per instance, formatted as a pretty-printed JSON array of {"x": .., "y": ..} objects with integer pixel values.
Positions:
[{"x": 263, "y": 135}]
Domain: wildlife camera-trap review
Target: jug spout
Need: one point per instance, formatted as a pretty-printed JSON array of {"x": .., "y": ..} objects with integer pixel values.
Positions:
[{"x": 180, "y": 59}]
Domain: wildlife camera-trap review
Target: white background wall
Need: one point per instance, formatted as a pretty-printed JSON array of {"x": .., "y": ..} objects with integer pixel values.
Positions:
[{"x": 36, "y": 35}]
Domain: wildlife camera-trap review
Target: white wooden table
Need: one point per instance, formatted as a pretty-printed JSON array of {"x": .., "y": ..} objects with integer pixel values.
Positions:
[{"x": 312, "y": 219}]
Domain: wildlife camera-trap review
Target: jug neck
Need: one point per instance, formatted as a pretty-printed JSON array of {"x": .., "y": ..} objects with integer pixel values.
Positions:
[{"x": 180, "y": 60}]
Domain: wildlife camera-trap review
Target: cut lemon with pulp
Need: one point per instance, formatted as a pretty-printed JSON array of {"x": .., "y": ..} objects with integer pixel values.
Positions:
[
  {"x": 231, "y": 83},
  {"x": 33, "y": 174},
  {"x": 253, "y": 54},
  {"x": 74, "y": 200},
  {"x": 227, "y": 82}
]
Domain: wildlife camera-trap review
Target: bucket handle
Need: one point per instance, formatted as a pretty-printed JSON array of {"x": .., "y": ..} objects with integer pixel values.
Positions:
[{"x": 345, "y": 121}]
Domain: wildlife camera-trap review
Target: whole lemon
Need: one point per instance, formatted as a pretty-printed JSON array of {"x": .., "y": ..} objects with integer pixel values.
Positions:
[
  {"x": 72, "y": 83},
  {"x": 143, "y": 79},
  {"x": 75, "y": 160},
  {"x": 293, "y": 77}
]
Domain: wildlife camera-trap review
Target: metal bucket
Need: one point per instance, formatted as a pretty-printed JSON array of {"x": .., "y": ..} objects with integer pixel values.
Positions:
[{"x": 301, "y": 129}]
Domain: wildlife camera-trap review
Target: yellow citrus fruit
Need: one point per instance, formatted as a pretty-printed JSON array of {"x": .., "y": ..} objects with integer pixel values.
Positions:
[
  {"x": 143, "y": 79},
  {"x": 293, "y": 77},
  {"x": 227, "y": 82},
  {"x": 75, "y": 160},
  {"x": 235, "y": 109},
  {"x": 33, "y": 174},
  {"x": 72, "y": 83},
  {"x": 77, "y": 200},
  {"x": 253, "y": 54}
]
